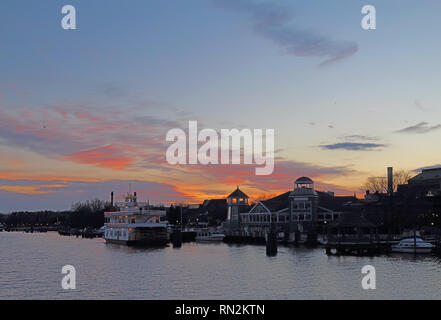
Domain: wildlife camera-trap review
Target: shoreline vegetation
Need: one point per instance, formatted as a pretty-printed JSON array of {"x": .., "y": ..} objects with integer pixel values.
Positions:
[{"x": 86, "y": 214}]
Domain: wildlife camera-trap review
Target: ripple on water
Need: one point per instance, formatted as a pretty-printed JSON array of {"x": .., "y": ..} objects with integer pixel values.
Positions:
[{"x": 30, "y": 268}]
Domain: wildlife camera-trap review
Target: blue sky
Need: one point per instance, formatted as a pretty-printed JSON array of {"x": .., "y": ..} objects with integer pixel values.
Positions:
[{"x": 212, "y": 61}]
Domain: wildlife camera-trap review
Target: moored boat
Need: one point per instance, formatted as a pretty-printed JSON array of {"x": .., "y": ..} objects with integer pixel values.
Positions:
[
  {"x": 412, "y": 245},
  {"x": 208, "y": 235},
  {"x": 135, "y": 223}
]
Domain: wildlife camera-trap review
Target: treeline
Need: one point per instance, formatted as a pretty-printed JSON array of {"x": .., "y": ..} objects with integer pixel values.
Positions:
[
  {"x": 83, "y": 214},
  {"x": 174, "y": 215}
]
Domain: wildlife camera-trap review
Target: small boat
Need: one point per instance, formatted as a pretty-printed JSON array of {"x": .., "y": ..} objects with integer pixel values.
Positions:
[
  {"x": 411, "y": 245},
  {"x": 208, "y": 235},
  {"x": 99, "y": 232},
  {"x": 188, "y": 235}
]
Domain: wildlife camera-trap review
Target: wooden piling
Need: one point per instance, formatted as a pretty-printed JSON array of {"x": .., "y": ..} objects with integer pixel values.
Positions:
[
  {"x": 176, "y": 238},
  {"x": 271, "y": 244}
]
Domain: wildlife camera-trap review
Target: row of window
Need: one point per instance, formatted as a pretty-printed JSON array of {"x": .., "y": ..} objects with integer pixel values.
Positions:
[
  {"x": 119, "y": 219},
  {"x": 301, "y": 205},
  {"x": 204, "y": 234},
  {"x": 274, "y": 218},
  {"x": 116, "y": 233},
  {"x": 328, "y": 216},
  {"x": 285, "y": 218}
]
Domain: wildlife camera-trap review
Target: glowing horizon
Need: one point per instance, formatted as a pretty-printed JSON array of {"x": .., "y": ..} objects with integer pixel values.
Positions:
[{"x": 85, "y": 112}]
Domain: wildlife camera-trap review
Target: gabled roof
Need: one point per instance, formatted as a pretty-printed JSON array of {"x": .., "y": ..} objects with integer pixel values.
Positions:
[
  {"x": 427, "y": 174},
  {"x": 238, "y": 194},
  {"x": 335, "y": 203},
  {"x": 351, "y": 220},
  {"x": 277, "y": 203},
  {"x": 214, "y": 203},
  {"x": 259, "y": 204},
  {"x": 326, "y": 201}
]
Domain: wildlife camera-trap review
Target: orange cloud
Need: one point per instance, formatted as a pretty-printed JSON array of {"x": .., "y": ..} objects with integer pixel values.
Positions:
[
  {"x": 31, "y": 190},
  {"x": 110, "y": 156}
]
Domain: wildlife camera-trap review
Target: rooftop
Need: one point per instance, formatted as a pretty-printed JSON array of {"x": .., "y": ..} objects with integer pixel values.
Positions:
[
  {"x": 427, "y": 174},
  {"x": 238, "y": 194},
  {"x": 303, "y": 180}
]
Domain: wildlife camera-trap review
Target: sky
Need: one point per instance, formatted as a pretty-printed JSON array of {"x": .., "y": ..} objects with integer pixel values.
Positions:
[{"x": 85, "y": 112}]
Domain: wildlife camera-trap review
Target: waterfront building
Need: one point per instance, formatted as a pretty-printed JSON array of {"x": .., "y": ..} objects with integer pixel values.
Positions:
[
  {"x": 237, "y": 203},
  {"x": 296, "y": 214},
  {"x": 426, "y": 183}
]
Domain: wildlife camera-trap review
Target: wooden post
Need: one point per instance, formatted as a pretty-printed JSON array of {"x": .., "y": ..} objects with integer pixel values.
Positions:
[
  {"x": 176, "y": 238},
  {"x": 414, "y": 240},
  {"x": 271, "y": 243}
]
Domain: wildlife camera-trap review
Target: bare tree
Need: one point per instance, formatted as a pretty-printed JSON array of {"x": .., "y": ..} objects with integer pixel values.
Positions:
[
  {"x": 379, "y": 184},
  {"x": 264, "y": 196}
]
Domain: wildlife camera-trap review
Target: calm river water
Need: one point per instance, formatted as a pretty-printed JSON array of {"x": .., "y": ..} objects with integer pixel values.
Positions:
[{"x": 30, "y": 268}]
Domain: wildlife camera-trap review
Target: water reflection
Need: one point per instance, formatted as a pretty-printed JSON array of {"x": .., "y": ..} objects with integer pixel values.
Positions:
[{"x": 30, "y": 268}]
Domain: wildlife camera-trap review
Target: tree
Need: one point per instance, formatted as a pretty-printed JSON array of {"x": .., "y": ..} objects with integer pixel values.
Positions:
[
  {"x": 264, "y": 196},
  {"x": 88, "y": 214},
  {"x": 379, "y": 184}
]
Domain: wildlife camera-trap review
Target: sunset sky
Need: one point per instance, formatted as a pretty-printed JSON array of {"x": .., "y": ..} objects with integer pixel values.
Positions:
[{"x": 85, "y": 112}]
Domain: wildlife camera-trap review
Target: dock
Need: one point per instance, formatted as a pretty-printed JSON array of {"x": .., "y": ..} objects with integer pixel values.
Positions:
[{"x": 361, "y": 247}]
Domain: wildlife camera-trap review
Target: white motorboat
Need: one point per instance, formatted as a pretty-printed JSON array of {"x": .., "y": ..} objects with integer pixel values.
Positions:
[
  {"x": 208, "y": 235},
  {"x": 411, "y": 245}
]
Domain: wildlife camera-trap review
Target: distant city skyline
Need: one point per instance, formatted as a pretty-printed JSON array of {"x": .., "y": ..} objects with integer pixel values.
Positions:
[{"x": 85, "y": 112}]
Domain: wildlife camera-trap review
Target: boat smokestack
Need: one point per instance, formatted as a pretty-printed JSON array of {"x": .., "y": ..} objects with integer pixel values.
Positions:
[
  {"x": 111, "y": 199},
  {"x": 390, "y": 181}
]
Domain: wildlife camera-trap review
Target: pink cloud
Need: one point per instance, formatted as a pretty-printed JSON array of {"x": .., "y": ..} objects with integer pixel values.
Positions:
[{"x": 112, "y": 157}]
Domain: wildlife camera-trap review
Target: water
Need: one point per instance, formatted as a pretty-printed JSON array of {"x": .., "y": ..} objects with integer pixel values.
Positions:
[{"x": 30, "y": 268}]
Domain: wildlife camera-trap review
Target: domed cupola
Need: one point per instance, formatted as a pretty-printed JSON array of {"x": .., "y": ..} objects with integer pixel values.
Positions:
[{"x": 304, "y": 186}]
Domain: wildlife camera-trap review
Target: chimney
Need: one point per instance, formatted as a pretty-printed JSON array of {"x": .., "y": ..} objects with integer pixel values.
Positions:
[
  {"x": 111, "y": 199},
  {"x": 390, "y": 182}
]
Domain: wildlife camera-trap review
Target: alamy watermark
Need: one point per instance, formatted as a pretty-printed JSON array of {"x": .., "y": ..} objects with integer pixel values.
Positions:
[
  {"x": 369, "y": 281},
  {"x": 217, "y": 149},
  {"x": 69, "y": 281}
]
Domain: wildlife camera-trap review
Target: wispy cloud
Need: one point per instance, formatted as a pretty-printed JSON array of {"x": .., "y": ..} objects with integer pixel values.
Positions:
[
  {"x": 275, "y": 23},
  {"x": 353, "y": 146},
  {"x": 113, "y": 140},
  {"x": 60, "y": 195},
  {"x": 422, "y": 127},
  {"x": 360, "y": 137}
]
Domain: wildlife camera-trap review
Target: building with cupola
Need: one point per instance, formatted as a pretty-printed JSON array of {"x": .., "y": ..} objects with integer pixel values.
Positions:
[
  {"x": 298, "y": 214},
  {"x": 237, "y": 203}
]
